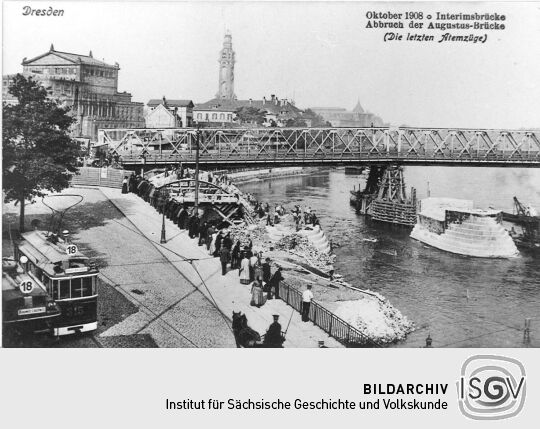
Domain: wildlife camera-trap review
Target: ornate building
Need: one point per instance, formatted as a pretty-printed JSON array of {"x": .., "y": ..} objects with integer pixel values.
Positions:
[
  {"x": 340, "y": 117},
  {"x": 88, "y": 86},
  {"x": 226, "y": 70}
]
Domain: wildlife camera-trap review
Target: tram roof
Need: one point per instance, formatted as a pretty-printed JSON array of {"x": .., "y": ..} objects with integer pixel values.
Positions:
[
  {"x": 43, "y": 251},
  {"x": 11, "y": 282}
]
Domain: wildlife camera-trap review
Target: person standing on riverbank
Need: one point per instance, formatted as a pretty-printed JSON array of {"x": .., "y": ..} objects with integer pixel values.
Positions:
[
  {"x": 266, "y": 271},
  {"x": 307, "y": 297},
  {"x": 274, "y": 283},
  {"x": 244, "y": 270},
  {"x": 209, "y": 236},
  {"x": 224, "y": 257},
  {"x": 257, "y": 297},
  {"x": 235, "y": 255}
]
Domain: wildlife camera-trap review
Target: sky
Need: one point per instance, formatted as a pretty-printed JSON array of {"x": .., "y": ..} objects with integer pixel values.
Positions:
[{"x": 320, "y": 53}]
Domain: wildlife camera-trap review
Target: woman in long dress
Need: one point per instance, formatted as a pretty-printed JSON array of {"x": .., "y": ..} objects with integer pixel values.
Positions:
[
  {"x": 252, "y": 262},
  {"x": 212, "y": 249},
  {"x": 125, "y": 185},
  {"x": 244, "y": 271},
  {"x": 257, "y": 298},
  {"x": 257, "y": 268}
]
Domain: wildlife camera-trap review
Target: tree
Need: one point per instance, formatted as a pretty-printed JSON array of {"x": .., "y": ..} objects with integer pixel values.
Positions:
[
  {"x": 295, "y": 122},
  {"x": 250, "y": 115},
  {"x": 39, "y": 154}
]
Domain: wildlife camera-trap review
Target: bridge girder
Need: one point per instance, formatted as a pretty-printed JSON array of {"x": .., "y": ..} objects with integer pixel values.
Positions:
[{"x": 325, "y": 146}]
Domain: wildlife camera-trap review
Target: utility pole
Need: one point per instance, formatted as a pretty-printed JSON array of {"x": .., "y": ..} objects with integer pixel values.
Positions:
[{"x": 196, "y": 211}]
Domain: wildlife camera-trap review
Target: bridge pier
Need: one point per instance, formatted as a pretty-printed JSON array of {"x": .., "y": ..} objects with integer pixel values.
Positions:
[{"x": 384, "y": 197}]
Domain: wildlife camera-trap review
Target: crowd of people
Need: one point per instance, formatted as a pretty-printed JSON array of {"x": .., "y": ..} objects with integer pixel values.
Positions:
[{"x": 254, "y": 270}]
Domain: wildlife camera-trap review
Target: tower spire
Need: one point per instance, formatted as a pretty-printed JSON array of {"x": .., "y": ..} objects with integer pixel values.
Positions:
[{"x": 226, "y": 69}]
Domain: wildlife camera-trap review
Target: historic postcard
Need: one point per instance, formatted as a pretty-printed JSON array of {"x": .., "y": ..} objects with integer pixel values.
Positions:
[{"x": 273, "y": 174}]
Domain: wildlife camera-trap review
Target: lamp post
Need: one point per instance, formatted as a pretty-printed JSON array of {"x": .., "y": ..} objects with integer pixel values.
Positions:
[
  {"x": 198, "y": 136},
  {"x": 163, "y": 195}
]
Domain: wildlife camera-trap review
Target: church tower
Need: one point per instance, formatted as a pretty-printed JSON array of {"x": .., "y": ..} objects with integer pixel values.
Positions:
[{"x": 226, "y": 70}]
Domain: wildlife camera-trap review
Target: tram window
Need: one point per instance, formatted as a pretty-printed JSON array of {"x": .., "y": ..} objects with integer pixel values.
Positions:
[
  {"x": 63, "y": 289},
  {"x": 88, "y": 286},
  {"x": 76, "y": 288}
]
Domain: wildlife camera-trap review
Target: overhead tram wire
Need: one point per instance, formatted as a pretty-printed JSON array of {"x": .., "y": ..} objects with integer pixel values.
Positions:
[{"x": 190, "y": 260}]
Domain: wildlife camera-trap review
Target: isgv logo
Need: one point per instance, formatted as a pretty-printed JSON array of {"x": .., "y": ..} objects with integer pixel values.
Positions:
[{"x": 491, "y": 387}]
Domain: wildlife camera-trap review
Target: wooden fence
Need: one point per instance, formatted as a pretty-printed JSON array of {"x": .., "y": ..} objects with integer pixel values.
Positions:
[{"x": 106, "y": 176}]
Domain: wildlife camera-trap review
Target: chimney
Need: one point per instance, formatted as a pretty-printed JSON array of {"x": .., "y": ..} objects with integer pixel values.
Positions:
[
  {"x": 264, "y": 101},
  {"x": 276, "y": 101},
  {"x": 90, "y": 54},
  {"x": 52, "y": 48},
  {"x": 273, "y": 97},
  {"x": 250, "y": 101}
]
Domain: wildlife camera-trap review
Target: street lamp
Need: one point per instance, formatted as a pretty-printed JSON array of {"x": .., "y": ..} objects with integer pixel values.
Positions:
[{"x": 163, "y": 196}]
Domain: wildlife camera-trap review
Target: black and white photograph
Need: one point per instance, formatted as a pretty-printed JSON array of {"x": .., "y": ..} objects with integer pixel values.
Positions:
[{"x": 271, "y": 175}]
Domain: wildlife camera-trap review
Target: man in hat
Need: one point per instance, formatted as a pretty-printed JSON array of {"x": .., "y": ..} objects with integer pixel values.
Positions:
[
  {"x": 274, "y": 283},
  {"x": 224, "y": 257},
  {"x": 227, "y": 241},
  {"x": 307, "y": 297},
  {"x": 273, "y": 337}
]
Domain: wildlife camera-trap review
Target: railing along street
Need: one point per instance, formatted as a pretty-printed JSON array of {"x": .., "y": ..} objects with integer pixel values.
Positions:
[{"x": 333, "y": 325}]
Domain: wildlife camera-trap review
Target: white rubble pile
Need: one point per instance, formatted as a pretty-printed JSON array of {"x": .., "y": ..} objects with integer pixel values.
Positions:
[
  {"x": 256, "y": 233},
  {"x": 376, "y": 318},
  {"x": 301, "y": 246}
]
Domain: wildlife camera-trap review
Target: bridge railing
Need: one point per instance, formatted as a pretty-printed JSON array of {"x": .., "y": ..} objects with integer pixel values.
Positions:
[{"x": 333, "y": 325}]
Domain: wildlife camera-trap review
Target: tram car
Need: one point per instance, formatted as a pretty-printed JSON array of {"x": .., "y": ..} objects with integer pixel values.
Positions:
[
  {"x": 27, "y": 308},
  {"x": 69, "y": 277}
]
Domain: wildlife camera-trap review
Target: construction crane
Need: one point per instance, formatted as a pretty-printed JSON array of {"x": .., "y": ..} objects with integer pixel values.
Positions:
[{"x": 530, "y": 224}]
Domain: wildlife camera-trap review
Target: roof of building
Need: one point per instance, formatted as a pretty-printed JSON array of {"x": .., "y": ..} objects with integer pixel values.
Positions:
[
  {"x": 74, "y": 58},
  {"x": 337, "y": 109},
  {"x": 358, "y": 108},
  {"x": 171, "y": 103},
  {"x": 270, "y": 106}
]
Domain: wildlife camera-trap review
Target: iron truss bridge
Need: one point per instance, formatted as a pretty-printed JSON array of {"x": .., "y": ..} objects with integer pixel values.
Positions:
[{"x": 324, "y": 146}]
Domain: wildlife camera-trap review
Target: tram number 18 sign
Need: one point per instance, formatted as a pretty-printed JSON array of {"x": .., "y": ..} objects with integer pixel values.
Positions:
[
  {"x": 71, "y": 249},
  {"x": 26, "y": 287}
]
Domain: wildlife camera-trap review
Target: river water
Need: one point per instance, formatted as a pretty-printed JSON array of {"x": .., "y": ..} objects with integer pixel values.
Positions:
[{"x": 459, "y": 301}]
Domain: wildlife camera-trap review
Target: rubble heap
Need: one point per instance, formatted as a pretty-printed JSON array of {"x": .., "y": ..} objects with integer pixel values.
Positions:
[{"x": 301, "y": 246}]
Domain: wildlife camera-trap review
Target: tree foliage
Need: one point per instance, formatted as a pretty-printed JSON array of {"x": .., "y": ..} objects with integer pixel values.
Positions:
[
  {"x": 38, "y": 153},
  {"x": 250, "y": 115},
  {"x": 295, "y": 122}
]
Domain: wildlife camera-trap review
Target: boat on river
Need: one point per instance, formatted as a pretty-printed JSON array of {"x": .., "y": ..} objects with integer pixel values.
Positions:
[{"x": 456, "y": 226}]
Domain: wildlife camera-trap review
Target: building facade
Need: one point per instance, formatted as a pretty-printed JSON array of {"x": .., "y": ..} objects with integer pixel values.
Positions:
[
  {"x": 87, "y": 85},
  {"x": 341, "y": 117},
  {"x": 166, "y": 113},
  {"x": 222, "y": 112}
]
